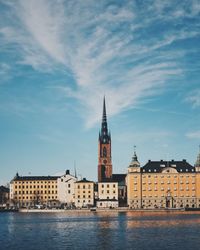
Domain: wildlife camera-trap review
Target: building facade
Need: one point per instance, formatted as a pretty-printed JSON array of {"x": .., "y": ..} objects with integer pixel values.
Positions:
[
  {"x": 29, "y": 191},
  {"x": 163, "y": 184},
  {"x": 107, "y": 194},
  {"x": 4, "y": 195},
  {"x": 122, "y": 190},
  {"x": 84, "y": 193},
  {"x": 104, "y": 150},
  {"x": 66, "y": 189}
]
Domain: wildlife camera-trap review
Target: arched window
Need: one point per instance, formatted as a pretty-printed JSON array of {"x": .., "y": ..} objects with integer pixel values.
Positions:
[{"x": 104, "y": 152}]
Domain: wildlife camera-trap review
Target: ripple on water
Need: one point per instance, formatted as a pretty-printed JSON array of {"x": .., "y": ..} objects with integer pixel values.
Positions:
[{"x": 105, "y": 230}]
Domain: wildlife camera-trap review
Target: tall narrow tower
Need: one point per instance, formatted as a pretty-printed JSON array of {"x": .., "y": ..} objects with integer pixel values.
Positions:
[{"x": 104, "y": 149}]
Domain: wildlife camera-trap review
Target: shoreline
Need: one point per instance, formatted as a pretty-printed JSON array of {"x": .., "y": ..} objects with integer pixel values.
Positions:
[{"x": 101, "y": 210}]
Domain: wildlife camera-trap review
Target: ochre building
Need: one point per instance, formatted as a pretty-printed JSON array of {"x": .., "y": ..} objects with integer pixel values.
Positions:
[
  {"x": 28, "y": 191},
  {"x": 84, "y": 193},
  {"x": 163, "y": 184}
]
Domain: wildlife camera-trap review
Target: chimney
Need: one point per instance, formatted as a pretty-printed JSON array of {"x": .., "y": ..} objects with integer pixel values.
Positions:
[{"x": 67, "y": 172}]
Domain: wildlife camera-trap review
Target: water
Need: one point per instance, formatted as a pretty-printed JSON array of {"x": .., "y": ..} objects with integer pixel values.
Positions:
[{"x": 105, "y": 230}]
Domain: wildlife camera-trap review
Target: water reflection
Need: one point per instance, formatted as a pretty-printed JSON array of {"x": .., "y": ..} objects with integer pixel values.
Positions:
[{"x": 100, "y": 230}]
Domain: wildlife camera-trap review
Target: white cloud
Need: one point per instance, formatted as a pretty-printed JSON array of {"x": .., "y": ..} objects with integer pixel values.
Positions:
[
  {"x": 101, "y": 45},
  {"x": 193, "y": 135},
  {"x": 194, "y": 98}
]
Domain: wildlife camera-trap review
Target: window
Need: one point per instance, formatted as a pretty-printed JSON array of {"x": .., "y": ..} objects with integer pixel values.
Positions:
[
  {"x": 69, "y": 185},
  {"x": 68, "y": 191},
  {"x": 104, "y": 152}
]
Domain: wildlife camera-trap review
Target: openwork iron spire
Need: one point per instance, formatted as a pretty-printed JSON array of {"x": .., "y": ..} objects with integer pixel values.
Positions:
[{"x": 104, "y": 136}]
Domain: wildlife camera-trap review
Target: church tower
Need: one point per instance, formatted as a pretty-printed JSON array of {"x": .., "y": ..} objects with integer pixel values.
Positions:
[{"x": 104, "y": 149}]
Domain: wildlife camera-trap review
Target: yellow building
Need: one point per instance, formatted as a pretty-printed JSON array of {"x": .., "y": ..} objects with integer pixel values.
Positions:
[
  {"x": 163, "y": 184},
  {"x": 84, "y": 193},
  {"x": 29, "y": 191}
]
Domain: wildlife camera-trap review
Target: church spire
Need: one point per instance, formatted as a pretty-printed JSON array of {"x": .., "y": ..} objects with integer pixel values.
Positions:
[
  {"x": 197, "y": 164},
  {"x": 104, "y": 117},
  {"x": 104, "y": 136},
  {"x": 104, "y": 149}
]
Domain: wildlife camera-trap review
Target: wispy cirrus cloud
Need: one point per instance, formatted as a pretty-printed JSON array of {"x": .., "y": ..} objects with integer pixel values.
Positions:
[
  {"x": 193, "y": 135},
  {"x": 107, "y": 48},
  {"x": 194, "y": 98}
]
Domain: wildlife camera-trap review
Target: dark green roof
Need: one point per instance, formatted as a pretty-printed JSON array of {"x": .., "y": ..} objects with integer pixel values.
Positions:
[
  {"x": 83, "y": 181},
  {"x": 34, "y": 178},
  {"x": 157, "y": 166}
]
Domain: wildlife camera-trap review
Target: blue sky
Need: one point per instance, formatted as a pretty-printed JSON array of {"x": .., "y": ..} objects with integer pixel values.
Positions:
[{"x": 58, "y": 59}]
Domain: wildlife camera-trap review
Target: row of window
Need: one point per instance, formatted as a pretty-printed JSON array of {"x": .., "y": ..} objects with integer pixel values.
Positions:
[
  {"x": 84, "y": 186},
  {"x": 168, "y": 188},
  {"x": 36, "y": 192},
  {"x": 162, "y": 201},
  {"x": 154, "y": 170},
  {"x": 108, "y": 191},
  {"x": 83, "y": 196},
  {"x": 108, "y": 185},
  {"x": 37, "y": 198},
  {"x": 164, "y": 195},
  {"x": 89, "y": 191},
  {"x": 168, "y": 176},
  {"x": 34, "y": 186},
  {"x": 28, "y": 182},
  {"x": 168, "y": 182},
  {"x": 89, "y": 201}
]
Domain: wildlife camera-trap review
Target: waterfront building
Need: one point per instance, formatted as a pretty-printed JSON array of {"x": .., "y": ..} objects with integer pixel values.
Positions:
[
  {"x": 122, "y": 192},
  {"x": 84, "y": 193},
  {"x": 163, "y": 184},
  {"x": 4, "y": 195},
  {"x": 66, "y": 188},
  {"x": 104, "y": 149},
  {"x": 28, "y": 191},
  {"x": 107, "y": 194}
]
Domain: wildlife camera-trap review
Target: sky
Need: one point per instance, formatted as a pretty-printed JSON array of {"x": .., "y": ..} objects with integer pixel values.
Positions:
[{"x": 59, "y": 58}]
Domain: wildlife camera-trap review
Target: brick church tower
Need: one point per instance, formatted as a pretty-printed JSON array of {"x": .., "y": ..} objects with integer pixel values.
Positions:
[{"x": 104, "y": 150}]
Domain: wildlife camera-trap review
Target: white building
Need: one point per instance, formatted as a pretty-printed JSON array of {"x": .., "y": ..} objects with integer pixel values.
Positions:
[
  {"x": 66, "y": 188},
  {"x": 107, "y": 195}
]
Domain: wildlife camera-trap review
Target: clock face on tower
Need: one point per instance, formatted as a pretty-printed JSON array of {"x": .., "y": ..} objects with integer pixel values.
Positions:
[{"x": 105, "y": 161}]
